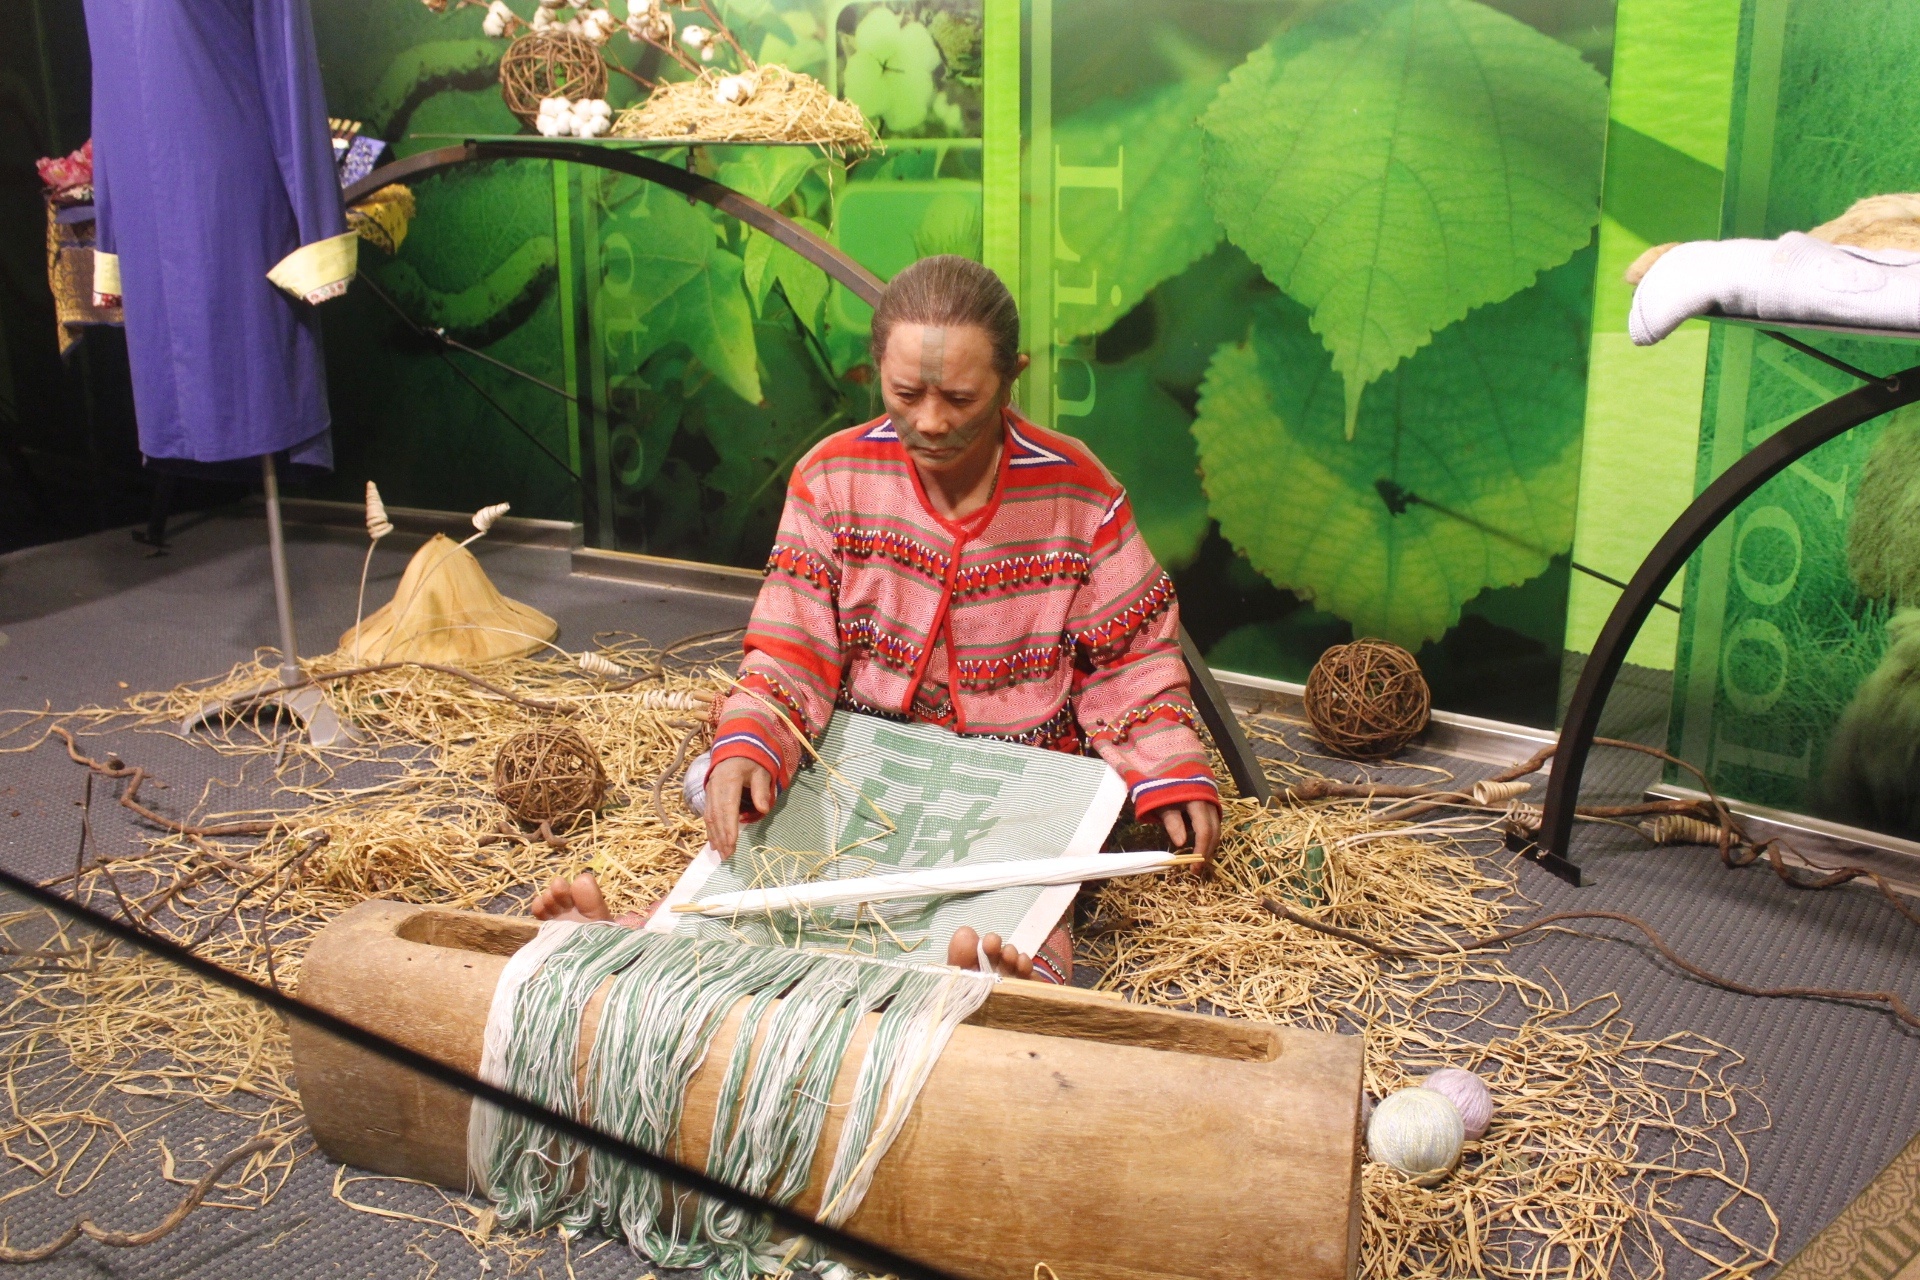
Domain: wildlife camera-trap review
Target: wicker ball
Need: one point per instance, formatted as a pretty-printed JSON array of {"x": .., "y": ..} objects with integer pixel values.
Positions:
[
  {"x": 1367, "y": 699},
  {"x": 549, "y": 774},
  {"x": 552, "y": 64}
]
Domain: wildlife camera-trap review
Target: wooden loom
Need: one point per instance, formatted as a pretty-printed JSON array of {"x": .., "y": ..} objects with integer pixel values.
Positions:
[{"x": 1108, "y": 1140}]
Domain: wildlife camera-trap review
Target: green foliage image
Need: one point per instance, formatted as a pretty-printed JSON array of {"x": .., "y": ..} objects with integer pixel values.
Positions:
[
  {"x": 890, "y": 74},
  {"x": 1446, "y": 489},
  {"x": 1323, "y": 262},
  {"x": 1398, "y": 431},
  {"x": 1394, "y": 165}
]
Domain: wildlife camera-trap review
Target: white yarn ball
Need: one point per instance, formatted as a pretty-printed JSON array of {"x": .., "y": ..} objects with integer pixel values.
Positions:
[
  {"x": 694, "y": 785},
  {"x": 1417, "y": 1131},
  {"x": 1468, "y": 1093}
]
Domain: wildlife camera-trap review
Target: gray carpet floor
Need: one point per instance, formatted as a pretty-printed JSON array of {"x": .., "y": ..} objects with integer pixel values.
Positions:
[{"x": 89, "y": 620}]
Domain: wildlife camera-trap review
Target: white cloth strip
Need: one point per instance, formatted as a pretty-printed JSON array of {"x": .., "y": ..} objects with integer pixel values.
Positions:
[
  {"x": 937, "y": 883},
  {"x": 1793, "y": 278}
]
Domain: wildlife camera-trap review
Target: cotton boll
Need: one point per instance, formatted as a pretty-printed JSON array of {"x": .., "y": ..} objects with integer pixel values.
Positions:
[
  {"x": 696, "y": 37},
  {"x": 694, "y": 785},
  {"x": 1469, "y": 1095},
  {"x": 1417, "y": 1131},
  {"x": 706, "y": 54},
  {"x": 598, "y": 25},
  {"x": 555, "y": 120},
  {"x": 733, "y": 90}
]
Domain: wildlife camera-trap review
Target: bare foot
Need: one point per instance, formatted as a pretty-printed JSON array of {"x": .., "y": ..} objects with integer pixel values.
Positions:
[
  {"x": 966, "y": 949},
  {"x": 578, "y": 899}
]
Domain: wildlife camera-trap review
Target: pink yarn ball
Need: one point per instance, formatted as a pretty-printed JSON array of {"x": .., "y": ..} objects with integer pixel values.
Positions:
[{"x": 1468, "y": 1093}]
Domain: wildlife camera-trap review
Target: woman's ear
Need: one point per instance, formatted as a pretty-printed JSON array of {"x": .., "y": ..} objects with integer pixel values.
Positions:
[{"x": 1020, "y": 364}]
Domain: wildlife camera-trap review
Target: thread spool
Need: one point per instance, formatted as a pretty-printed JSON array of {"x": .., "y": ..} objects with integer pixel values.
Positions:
[
  {"x": 1492, "y": 793},
  {"x": 549, "y": 774},
  {"x": 1469, "y": 1095},
  {"x": 1677, "y": 828},
  {"x": 1367, "y": 699},
  {"x": 1417, "y": 1131}
]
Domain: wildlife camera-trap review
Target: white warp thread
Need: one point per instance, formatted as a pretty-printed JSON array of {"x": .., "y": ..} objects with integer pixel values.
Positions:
[
  {"x": 483, "y": 1120},
  {"x": 940, "y": 882},
  {"x": 961, "y": 995}
]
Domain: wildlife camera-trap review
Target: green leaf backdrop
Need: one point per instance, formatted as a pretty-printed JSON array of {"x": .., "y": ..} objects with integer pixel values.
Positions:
[{"x": 1338, "y": 325}]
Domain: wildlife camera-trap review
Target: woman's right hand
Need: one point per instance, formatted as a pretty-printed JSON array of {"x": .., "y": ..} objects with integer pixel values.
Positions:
[{"x": 730, "y": 781}]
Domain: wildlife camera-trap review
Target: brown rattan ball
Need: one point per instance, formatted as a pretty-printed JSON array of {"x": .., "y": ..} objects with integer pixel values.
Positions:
[
  {"x": 551, "y": 64},
  {"x": 549, "y": 774},
  {"x": 1367, "y": 699}
]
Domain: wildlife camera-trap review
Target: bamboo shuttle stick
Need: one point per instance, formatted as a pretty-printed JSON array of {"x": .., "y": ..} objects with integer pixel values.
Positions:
[{"x": 973, "y": 878}]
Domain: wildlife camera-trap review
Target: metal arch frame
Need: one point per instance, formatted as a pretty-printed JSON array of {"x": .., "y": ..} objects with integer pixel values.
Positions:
[
  {"x": 1208, "y": 698},
  {"x": 865, "y": 285},
  {"x": 1551, "y": 846}
]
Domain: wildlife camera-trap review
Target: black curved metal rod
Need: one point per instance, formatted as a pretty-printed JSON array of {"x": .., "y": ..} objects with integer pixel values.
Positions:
[
  {"x": 863, "y": 283},
  {"x": 1716, "y": 502}
]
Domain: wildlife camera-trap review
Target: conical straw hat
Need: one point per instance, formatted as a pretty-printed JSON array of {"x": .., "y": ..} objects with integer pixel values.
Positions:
[{"x": 446, "y": 610}]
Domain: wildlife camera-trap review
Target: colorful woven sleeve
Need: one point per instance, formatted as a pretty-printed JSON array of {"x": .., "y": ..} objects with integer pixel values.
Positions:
[
  {"x": 1130, "y": 685},
  {"x": 791, "y": 673}
]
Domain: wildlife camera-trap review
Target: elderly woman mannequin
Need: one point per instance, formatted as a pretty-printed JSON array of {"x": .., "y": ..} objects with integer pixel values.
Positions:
[{"x": 952, "y": 563}]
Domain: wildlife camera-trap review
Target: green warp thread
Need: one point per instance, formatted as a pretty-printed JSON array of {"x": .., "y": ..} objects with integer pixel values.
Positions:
[{"x": 669, "y": 997}]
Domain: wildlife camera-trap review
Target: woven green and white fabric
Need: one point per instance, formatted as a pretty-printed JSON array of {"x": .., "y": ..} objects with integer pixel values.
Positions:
[
  {"x": 950, "y": 800},
  {"x": 668, "y": 999}
]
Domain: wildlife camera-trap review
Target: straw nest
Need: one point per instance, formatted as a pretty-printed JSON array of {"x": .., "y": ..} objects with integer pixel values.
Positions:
[
  {"x": 1611, "y": 1153},
  {"x": 782, "y": 106}
]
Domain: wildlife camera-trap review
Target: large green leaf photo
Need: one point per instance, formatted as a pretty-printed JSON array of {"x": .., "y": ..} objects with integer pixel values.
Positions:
[
  {"x": 1393, "y": 164},
  {"x": 1475, "y": 441}
]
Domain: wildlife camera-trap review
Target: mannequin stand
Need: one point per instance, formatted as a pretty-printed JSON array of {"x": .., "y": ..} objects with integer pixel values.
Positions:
[{"x": 292, "y": 695}]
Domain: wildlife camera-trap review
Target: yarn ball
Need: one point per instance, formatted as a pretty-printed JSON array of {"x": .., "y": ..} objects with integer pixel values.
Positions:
[
  {"x": 1469, "y": 1096},
  {"x": 548, "y": 774},
  {"x": 1367, "y": 699},
  {"x": 550, "y": 64},
  {"x": 694, "y": 785},
  {"x": 1417, "y": 1131}
]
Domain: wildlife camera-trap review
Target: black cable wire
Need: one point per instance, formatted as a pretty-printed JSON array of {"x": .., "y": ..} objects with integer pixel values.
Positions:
[
  {"x": 1852, "y": 371},
  {"x": 1398, "y": 499},
  {"x": 834, "y": 1238},
  {"x": 440, "y": 343}
]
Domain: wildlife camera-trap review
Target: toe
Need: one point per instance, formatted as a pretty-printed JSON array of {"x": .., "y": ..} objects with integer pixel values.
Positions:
[
  {"x": 1013, "y": 963},
  {"x": 964, "y": 950},
  {"x": 587, "y": 898}
]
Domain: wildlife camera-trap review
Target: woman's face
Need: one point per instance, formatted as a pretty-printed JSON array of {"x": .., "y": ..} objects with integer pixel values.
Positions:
[{"x": 943, "y": 394}]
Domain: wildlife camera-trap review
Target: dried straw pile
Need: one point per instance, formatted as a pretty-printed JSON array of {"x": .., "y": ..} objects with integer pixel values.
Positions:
[
  {"x": 1598, "y": 1135},
  {"x": 783, "y": 106},
  {"x": 1604, "y": 1143}
]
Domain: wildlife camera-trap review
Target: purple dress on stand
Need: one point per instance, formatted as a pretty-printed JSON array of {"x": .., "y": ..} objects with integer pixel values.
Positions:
[{"x": 213, "y": 163}]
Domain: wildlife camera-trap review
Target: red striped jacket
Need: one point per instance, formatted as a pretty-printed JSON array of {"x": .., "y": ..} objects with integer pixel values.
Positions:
[{"x": 1043, "y": 619}]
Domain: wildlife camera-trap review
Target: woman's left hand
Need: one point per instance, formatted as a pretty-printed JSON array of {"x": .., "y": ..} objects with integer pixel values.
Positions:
[{"x": 1202, "y": 819}]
